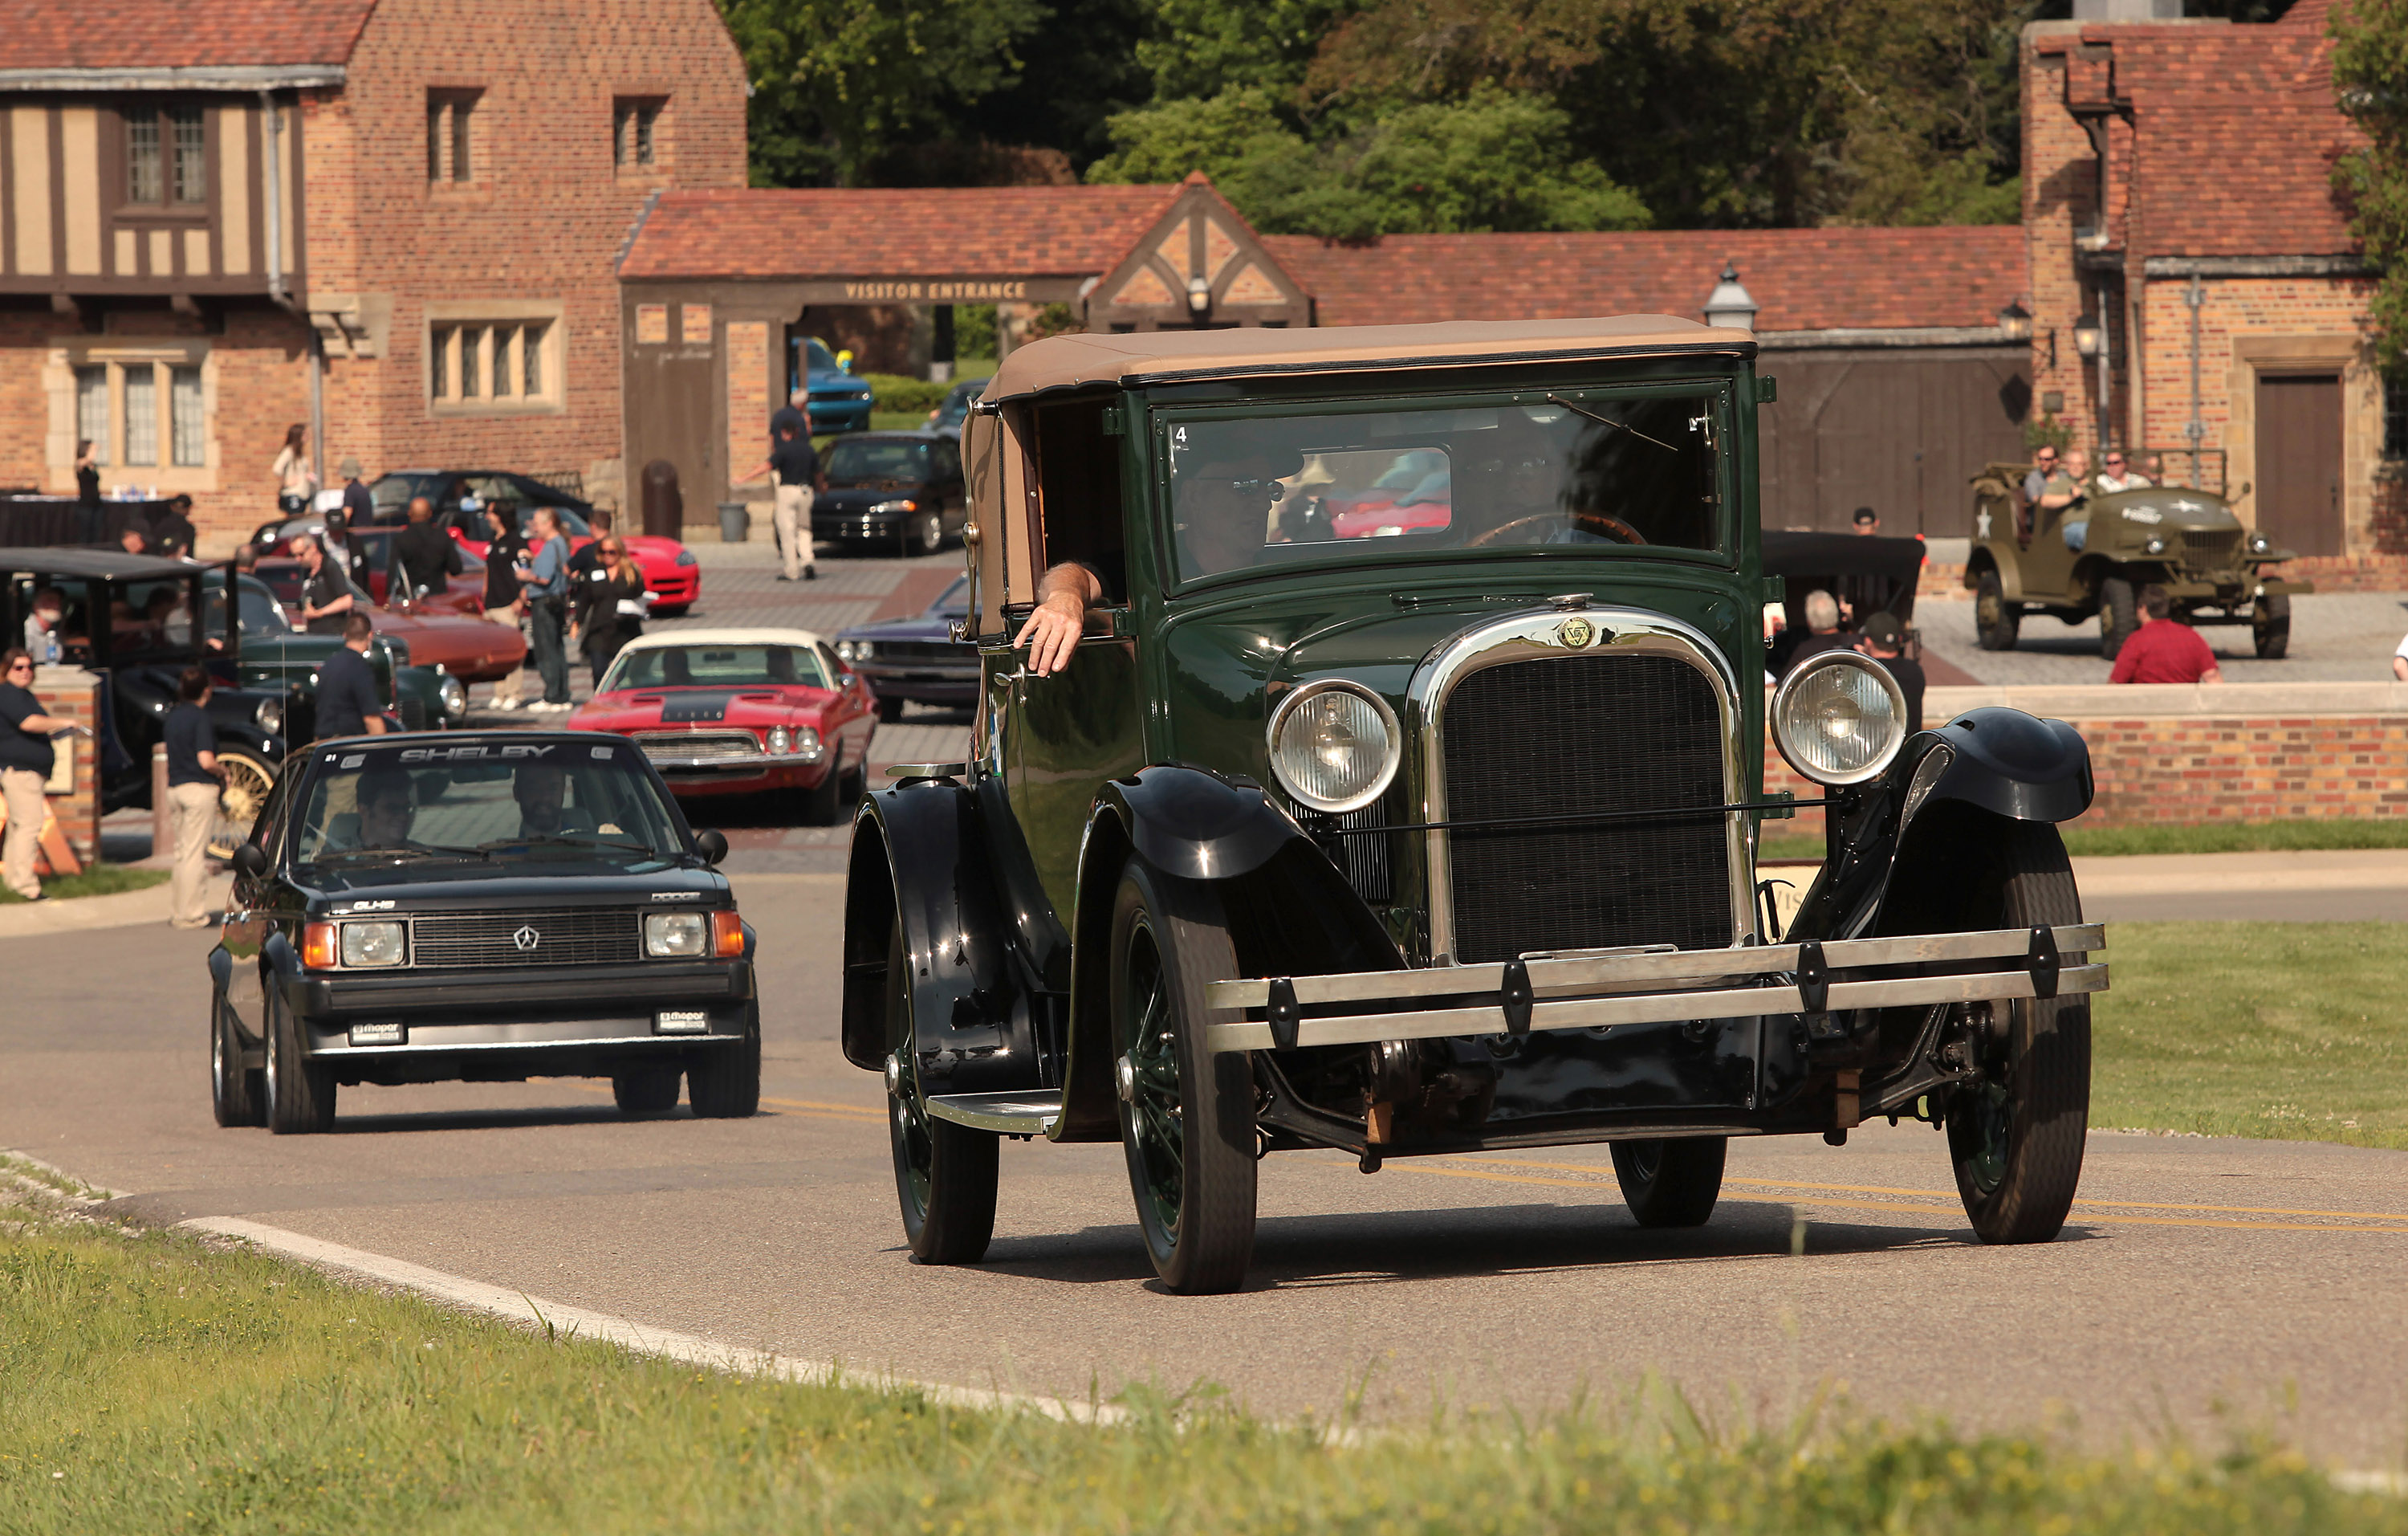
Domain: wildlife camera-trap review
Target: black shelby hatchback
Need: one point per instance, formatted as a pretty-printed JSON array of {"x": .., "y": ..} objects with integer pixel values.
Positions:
[{"x": 482, "y": 908}]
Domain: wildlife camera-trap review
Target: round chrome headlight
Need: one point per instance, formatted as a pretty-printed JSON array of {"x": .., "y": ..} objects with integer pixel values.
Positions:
[
  {"x": 1334, "y": 745},
  {"x": 1839, "y": 718},
  {"x": 845, "y": 651},
  {"x": 269, "y": 716},
  {"x": 781, "y": 740},
  {"x": 453, "y": 695}
]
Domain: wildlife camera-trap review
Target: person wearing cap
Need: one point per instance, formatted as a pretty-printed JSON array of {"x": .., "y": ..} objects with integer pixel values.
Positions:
[
  {"x": 173, "y": 534},
  {"x": 346, "y": 552},
  {"x": 1885, "y": 640},
  {"x": 359, "y": 507},
  {"x": 1867, "y": 521}
]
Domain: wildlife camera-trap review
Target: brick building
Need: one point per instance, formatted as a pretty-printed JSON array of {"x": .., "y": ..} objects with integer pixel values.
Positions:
[
  {"x": 397, "y": 219},
  {"x": 2179, "y": 208}
]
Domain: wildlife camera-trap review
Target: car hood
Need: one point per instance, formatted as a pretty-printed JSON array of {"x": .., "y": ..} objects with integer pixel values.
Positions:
[
  {"x": 551, "y": 880},
  {"x": 910, "y": 626},
  {"x": 2167, "y": 507},
  {"x": 858, "y": 497},
  {"x": 456, "y": 643}
]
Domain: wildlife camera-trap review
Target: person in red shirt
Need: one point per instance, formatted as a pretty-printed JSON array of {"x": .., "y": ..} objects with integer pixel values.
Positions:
[{"x": 2165, "y": 649}]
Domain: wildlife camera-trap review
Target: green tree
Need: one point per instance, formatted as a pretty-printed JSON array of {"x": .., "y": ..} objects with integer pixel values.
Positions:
[
  {"x": 839, "y": 83},
  {"x": 2371, "y": 74},
  {"x": 1494, "y": 162},
  {"x": 1201, "y": 48}
]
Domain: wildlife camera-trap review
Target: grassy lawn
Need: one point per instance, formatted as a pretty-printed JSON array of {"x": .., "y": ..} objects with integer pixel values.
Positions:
[
  {"x": 155, "y": 1385},
  {"x": 1779, "y": 841},
  {"x": 100, "y": 879}
]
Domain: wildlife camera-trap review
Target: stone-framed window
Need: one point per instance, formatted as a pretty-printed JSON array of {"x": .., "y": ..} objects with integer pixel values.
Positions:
[
  {"x": 451, "y": 135},
  {"x": 166, "y": 155},
  {"x": 2395, "y": 416},
  {"x": 148, "y": 406},
  {"x": 498, "y": 357},
  {"x": 638, "y": 132}
]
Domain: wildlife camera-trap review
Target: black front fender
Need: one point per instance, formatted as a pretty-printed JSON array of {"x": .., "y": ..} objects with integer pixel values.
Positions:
[
  {"x": 1196, "y": 824},
  {"x": 2001, "y": 761}
]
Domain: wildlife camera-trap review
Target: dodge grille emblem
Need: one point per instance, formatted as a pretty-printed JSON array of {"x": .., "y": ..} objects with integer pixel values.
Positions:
[
  {"x": 1575, "y": 633},
  {"x": 526, "y": 939}
]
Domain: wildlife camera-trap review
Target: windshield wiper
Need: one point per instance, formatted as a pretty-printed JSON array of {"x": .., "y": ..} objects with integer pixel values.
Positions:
[
  {"x": 559, "y": 841},
  {"x": 1608, "y": 421},
  {"x": 344, "y": 855}
]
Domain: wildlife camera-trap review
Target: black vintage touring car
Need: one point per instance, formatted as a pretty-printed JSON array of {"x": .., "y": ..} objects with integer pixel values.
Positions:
[{"x": 483, "y": 908}]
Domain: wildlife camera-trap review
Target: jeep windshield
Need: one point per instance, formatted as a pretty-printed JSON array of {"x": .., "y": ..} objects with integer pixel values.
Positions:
[
  {"x": 1581, "y": 468},
  {"x": 513, "y": 802}
]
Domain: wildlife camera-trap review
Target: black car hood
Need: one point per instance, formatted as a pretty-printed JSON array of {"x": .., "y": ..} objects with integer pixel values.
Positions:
[
  {"x": 910, "y": 626},
  {"x": 860, "y": 498},
  {"x": 546, "y": 881}
]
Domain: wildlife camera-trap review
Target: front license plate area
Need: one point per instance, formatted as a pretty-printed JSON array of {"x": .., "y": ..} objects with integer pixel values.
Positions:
[{"x": 681, "y": 1021}]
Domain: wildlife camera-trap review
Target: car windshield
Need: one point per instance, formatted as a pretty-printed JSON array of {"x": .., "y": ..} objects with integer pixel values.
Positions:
[
  {"x": 716, "y": 666},
  {"x": 263, "y": 616},
  {"x": 1592, "y": 470},
  {"x": 491, "y": 802},
  {"x": 817, "y": 358},
  {"x": 152, "y": 620},
  {"x": 954, "y": 603},
  {"x": 854, "y": 461},
  {"x": 392, "y": 493},
  {"x": 958, "y": 401}
]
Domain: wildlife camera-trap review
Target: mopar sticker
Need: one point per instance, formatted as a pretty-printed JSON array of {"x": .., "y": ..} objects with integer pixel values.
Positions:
[
  {"x": 682, "y": 1021},
  {"x": 470, "y": 755}
]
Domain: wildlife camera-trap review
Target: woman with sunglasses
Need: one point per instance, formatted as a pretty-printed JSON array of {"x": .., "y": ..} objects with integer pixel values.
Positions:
[
  {"x": 609, "y": 606},
  {"x": 25, "y": 762}
]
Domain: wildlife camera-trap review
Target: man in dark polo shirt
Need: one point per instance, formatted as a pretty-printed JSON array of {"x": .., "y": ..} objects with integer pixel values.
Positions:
[
  {"x": 2165, "y": 649},
  {"x": 25, "y": 765},
  {"x": 193, "y": 787},
  {"x": 348, "y": 704},
  {"x": 328, "y": 599}
]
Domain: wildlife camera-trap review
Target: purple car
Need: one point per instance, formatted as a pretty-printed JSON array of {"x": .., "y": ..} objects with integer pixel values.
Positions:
[{"x": 916, "y": 656}]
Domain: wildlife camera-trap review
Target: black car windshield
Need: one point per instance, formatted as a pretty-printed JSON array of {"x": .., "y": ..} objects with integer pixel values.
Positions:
[
  {"x": 1263, "y": 491},
  {"x": 391, "y": 494},
  {"x": 700, "y": 666},
  {"x": 854, "y": 461},
  {"x": 489, "y": 801}
]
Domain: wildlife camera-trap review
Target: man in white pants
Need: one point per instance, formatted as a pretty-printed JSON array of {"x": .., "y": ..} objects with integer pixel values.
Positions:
[{"x": 793, "y": 468}]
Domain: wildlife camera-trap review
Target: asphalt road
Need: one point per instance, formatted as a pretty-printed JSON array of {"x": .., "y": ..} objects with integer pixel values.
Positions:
[{"x": 2264, "y": 1277}]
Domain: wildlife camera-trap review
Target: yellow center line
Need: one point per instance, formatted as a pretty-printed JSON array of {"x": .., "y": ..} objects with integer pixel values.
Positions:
[
  {"x": 819, "y": 1108},
  {"x": 1951, "y": 1195},
  {"x": 1890, "y": 1207}
]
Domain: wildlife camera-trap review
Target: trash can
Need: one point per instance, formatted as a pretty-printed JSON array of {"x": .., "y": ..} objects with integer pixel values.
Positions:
[
  {"x": 663, "y": 504},
  {"x": 735, "y": 522}
]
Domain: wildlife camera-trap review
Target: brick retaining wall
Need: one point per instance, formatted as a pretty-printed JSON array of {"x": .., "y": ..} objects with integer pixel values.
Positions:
[{"x": 2244, "y": 751}]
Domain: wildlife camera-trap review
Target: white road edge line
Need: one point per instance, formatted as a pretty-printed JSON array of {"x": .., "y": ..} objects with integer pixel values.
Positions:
[{"x": 516, "y": 1307}]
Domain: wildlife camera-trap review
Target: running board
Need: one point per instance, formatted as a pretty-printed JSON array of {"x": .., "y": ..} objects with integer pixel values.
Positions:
[
  {"x": 1606, "y": 992},
  {"x": 1010, "y": 1113}
]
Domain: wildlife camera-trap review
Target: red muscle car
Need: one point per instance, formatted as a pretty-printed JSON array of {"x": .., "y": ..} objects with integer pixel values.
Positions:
[{"x": 736, "y": 711}]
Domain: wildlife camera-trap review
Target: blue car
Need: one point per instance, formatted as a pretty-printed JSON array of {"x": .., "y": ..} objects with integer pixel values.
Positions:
[{"x": 839, "y": 402}]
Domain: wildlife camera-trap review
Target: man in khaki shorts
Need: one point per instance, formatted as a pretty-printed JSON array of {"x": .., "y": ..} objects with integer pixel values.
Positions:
[{"x": 793, "y": 468}]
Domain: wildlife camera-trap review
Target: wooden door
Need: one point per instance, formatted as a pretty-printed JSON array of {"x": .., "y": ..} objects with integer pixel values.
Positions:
[
  {"x": 673, "y": 413},
  {"x": 1904, "y": 434},
  {"x": 2298, "y": 461}
]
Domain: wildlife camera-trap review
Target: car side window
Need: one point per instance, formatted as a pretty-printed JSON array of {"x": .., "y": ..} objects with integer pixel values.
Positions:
[{"x": 948, "y": 463}]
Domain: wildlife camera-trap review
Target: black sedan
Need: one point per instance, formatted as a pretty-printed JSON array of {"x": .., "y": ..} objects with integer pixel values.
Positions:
[
  {"x": 479, "y": 908},
  {"x": 905, "y": 486},
  {"x": 916, "y": 656}
]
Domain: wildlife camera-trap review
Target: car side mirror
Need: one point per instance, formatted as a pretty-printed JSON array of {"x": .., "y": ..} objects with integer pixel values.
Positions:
[
  {"x": 249, "y": 860},
  {"x": 711, "y": 845}
]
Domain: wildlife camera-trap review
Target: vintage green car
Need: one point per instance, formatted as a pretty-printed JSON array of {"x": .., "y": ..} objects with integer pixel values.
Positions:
[
  {"x": 276, "y": 653},
  {"x": 2094, "y": 557},
  {"x": 1402, "y": 798}
]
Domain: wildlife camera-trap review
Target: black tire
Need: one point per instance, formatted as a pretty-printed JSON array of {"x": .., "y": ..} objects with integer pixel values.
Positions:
[
  {"x": 724, "y": 1082},
  {"x": 2018, "y": 1138},
  {"x": 238, "y": 1097},
  {"x": 821, "y": 805},
  {"x": 1996, "y": 620},
  {"x": 1187, "y": 1118},
  {"x": 249, "y": 777},
  {"x": 2270, "y": 627},
  {"x": 645, "y": 1090},
  {"x": 2118, "y": 615},
  {"x": 299, "y": 1097},
  {"x": 1670, "y": 1182},
  {"x": 890, "y": 710},
  {"x": 944, "y": 1174}
]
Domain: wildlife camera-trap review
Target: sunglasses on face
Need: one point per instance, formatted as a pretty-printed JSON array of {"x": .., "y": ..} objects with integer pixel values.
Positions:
[{"x": 15, "y": 667}]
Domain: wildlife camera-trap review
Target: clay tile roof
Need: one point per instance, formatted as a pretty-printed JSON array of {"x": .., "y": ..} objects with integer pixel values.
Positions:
[
  {"x": 1802, "y": 280},
  {"x": 177, "y": 34},
  {"x": 940, "y": 231}
]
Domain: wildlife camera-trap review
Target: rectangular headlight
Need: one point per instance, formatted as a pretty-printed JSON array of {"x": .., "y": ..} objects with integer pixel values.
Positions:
[
  {"x": 369, "y": 945},
  {"x": 676, "y": 935}
]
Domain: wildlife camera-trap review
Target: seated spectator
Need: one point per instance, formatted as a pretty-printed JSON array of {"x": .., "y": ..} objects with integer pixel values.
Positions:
[
  {"x": 2165, "y": 649},
  {"x": 2036, "y": 484},
  {"x": 1885, "y": 642},
  {"x": 2114, "y": 475},
  {"x": 1822, "y": 630},
  {"x": 2068, "y": 492}
]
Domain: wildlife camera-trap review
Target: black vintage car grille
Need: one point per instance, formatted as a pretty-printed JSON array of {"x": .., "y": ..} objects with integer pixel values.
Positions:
[
  {"x": 1589, "y": 733},
  {"x": 576, "y": 936},
  {"x": 1362, "y": 859}
]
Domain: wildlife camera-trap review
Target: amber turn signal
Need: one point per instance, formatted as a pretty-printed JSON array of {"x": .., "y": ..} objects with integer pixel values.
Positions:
[
  {"x": 726, "y": 935},
  {"x": 318, "y": 946}
]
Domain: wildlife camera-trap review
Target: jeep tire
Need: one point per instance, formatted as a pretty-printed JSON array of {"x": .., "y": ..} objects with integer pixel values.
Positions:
[
  {"x": 1670, "y": 1181},
  {"x": 1187, "y": 1115},
  {"x": 1996, "y": 620},
  {"x": 944, "y": 1174},
  {"x": 2118, "y": 615},
  {"x": 2017, "y": 1135},
  {"x": 300, "y": 1093},
  {"x": 2270, "y": 625}
]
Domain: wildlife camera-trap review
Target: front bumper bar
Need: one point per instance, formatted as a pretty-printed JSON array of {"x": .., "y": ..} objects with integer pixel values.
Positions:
[{"x": 1608, "y": 989}]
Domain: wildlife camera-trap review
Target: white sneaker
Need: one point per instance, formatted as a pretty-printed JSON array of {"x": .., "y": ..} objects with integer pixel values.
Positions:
[{"x": 506, "y": 704}]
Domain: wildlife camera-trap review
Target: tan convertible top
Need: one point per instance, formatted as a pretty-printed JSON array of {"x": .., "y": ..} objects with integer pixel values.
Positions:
[{"x": 1066, "y": 362}]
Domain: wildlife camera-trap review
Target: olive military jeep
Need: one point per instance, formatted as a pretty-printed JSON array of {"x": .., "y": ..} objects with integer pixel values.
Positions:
[
  {"x": 1402, "y": 798},
  {"x": 2188, "y": 542}
]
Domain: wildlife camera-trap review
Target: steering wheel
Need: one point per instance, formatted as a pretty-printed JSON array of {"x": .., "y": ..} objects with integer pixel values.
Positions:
[{"x": 1605, "y": 524}]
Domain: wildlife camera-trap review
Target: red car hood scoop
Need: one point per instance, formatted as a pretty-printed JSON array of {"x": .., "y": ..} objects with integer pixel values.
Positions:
[{"x": 692, "y": 709}]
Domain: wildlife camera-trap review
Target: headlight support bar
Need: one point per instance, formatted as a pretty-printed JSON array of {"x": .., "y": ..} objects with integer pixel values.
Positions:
[{"x": 1573, "y": 818}]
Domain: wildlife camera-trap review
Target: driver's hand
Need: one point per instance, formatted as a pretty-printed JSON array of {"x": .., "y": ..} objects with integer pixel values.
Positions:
[{"x": 1051, "y": 632}]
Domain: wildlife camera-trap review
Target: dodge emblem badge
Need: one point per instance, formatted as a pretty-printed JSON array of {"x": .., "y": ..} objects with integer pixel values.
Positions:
[
  {"x": 526, "y": 939},
  {"x": 1575, "y": 633}
]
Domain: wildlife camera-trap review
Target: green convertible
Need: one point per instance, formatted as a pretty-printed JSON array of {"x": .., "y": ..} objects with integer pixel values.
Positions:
[{"x": 1402, "y": 796}]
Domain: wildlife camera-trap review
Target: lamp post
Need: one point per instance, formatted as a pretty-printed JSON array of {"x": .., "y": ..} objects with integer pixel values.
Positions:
[
  {"x": 2014, "y": 322},
  {"x": 1730, "y": 303}
]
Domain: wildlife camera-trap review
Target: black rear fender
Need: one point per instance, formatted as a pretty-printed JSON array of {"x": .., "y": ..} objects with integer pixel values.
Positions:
[
  {"x": 1291, "y": 911},
  {"x": 1883, "y": 860}
]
